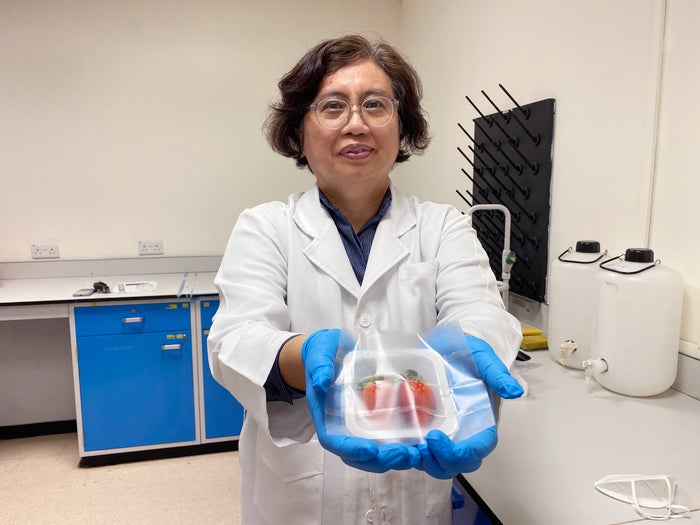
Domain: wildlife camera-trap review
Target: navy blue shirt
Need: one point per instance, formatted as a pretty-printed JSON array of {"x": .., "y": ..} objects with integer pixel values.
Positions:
[{"x": 357, "y": 246}]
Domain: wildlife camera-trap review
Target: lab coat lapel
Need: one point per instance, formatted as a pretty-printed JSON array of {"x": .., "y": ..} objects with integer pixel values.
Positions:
[
  {"x": 325, "y": 249},
  {"x": 387, "y": 249}
]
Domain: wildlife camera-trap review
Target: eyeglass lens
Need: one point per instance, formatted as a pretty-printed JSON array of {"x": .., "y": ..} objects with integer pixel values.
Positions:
[{"x": 334, "y": 113}]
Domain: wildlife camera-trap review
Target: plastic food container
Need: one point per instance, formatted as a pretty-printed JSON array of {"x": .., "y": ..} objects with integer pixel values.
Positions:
[
  {"x": 396, "y": 395},
  {"x": 393, "y": 386}
]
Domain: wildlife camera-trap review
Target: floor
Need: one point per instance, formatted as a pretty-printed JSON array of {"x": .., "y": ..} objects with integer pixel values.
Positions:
[{"x": 41, "y": 483}]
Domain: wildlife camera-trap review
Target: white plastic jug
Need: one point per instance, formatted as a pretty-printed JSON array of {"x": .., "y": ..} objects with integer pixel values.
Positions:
[
  {"x": 572, "y": 295},
  {"x": 637, "y": 324}
]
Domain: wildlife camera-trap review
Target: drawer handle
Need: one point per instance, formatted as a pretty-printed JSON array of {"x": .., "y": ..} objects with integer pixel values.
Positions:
[
  {"x": 177, "y": 346},
  {"x": 130, "y": 320}
]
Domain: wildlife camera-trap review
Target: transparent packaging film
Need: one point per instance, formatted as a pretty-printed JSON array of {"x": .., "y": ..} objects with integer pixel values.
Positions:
[{"x": 394, "y": 387}]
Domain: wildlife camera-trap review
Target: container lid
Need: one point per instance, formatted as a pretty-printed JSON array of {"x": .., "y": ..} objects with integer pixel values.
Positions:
[
  {"x": 642, "y": 255},
  {"x": 588, "y": 246}
]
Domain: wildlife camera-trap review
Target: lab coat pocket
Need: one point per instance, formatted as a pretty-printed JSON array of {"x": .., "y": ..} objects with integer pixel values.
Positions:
[
  {"x": 292, "y": 462},
  {"x": 417, "y": 284},
  {"x": 438, "y": 496},
  {"x": 288, "y": 477}
]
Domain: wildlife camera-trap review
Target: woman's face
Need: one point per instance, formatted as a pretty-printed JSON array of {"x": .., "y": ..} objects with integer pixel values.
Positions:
[{"x": 356, "y": 159}]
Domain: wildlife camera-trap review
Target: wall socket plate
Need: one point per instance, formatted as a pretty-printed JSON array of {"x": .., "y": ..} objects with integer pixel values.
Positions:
[
  {"x": 150, "y": 247},
  {"x": 45, "y": 251}
]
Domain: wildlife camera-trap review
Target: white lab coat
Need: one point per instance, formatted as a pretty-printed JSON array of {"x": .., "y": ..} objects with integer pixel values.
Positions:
[{"x": 285, "y": 271}]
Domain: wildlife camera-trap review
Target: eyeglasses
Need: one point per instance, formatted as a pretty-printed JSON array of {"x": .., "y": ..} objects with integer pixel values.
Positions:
[{"x": 334, "y": 113}]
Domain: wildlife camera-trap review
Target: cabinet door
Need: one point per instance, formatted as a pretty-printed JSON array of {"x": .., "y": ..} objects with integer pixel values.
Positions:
[
  {"x": 136, "y": 390},
  {"x": 223, "y": 415}
]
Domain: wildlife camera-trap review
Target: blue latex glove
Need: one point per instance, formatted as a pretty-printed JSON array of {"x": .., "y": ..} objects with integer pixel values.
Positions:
[
  {"x": 440, "y": 456},
  {"x": 318, "y": 354},
  {"x": 447, "y": 340},
  {"x": 444, "y": 459}
]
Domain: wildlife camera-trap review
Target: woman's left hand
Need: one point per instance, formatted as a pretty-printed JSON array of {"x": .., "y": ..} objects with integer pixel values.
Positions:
[{"x": 444, "y": 459}]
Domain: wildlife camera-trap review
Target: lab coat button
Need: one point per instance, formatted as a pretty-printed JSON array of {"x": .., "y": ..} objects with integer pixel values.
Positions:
[{"x": 365, "y": 320}]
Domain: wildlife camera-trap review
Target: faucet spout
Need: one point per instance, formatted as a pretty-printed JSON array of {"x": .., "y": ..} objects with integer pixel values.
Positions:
[
  {"x": 567, "y": 348},
  {"x": 592, "y": 367}
]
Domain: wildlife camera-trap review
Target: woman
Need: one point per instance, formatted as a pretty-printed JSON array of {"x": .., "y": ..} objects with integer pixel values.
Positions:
[{"x": 352, "y": 253}]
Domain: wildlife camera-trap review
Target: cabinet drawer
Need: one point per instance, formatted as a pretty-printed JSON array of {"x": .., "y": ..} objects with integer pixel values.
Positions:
[{"x": 100, "y": 319}]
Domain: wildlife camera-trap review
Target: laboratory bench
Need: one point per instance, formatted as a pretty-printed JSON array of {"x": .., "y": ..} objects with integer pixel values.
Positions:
[
  {"x": 566, "y": 434},
  {"x": 140, "y": 378}
]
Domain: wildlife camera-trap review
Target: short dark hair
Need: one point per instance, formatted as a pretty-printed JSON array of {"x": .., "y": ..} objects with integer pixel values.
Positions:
[{"x": 300, "y": 86}]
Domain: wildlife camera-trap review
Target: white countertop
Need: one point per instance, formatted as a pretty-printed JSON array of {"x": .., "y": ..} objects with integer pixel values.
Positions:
[
  {"x": 33, "y": 298},
  {"x": 566, "y": 434}
]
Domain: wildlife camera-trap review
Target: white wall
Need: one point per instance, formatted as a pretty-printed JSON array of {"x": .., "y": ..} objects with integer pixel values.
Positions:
[
  {"x": 123, "y": 121},
  {"x": 676, "y": 214},
  {"x": 141, "y": 120},
  {"x": 598, "y": 59},
  {"x": 610, "y": 66}
]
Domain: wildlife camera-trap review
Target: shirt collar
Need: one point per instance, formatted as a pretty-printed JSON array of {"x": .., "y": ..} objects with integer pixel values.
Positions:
[{"x": 338, "y": 216}]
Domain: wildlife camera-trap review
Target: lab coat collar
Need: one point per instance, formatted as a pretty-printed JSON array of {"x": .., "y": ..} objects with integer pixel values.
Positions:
[
  {"x": 326, "y": 249},
  {"x": 387, "y": 249}
]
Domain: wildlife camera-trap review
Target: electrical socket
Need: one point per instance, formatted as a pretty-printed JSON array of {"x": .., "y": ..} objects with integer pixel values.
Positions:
[
  {"x": 45, "y": 251},
  {"x": 150, "y": 247}
]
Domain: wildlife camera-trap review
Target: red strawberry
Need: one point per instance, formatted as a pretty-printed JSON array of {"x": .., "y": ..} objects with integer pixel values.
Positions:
[
  {"x": 417, "y": 398},
  {"x": 379, "y": 398}
]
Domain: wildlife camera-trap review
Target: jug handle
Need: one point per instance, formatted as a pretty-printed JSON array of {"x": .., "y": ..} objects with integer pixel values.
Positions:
[
  {"x": 602, "y": 265},
  {"x": 562, "y": 254}
]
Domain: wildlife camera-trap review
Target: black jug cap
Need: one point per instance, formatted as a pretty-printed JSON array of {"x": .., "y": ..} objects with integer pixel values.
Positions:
[
  {"x": 588, "y": 247},
  {"x": 643, "y": 255}
]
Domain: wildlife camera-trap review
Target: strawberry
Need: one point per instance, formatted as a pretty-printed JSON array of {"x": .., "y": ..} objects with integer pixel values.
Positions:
[
  {"x": 379, "y": 398},
  {"x": 417, "y": 398}
]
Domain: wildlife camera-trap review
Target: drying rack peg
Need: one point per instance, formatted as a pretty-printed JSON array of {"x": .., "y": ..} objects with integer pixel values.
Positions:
[
  {"x": 524, "y": 191},
  {"x": 490, "y": 169},
  {"x": 480, "y": 146},
  {"x": 495, "y": 233},
  {"x": 481, "y": 190},
  {"x": 477, "y": 170},
  {"x": 532, "y": 240},
  {"x": 504, "y": 114},
  {"x": 465, "y": 199},
  {"x": 525, "y": 111},
  {"x": 534, "y": 167},
  {"x": 534, "y": 138},
  {"x": 496, "y": 191},
  {"x": 519, "y": 237},
  {"x": 488, "y": 214},
  {"x": 496, "y": 143},
  {"x": 528, "y": 213},
  {"x": 513, "y": 140},
  {"x": 488, "y": 120}
]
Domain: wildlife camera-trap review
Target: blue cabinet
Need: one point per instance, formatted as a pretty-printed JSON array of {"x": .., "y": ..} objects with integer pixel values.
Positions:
[
  {"x": 223, "y": 415},
  {"x": 135, "y": 374}
]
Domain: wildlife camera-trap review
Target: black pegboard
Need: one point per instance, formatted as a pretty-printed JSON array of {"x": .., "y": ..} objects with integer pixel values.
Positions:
[{"x": 508, "y": 161}]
